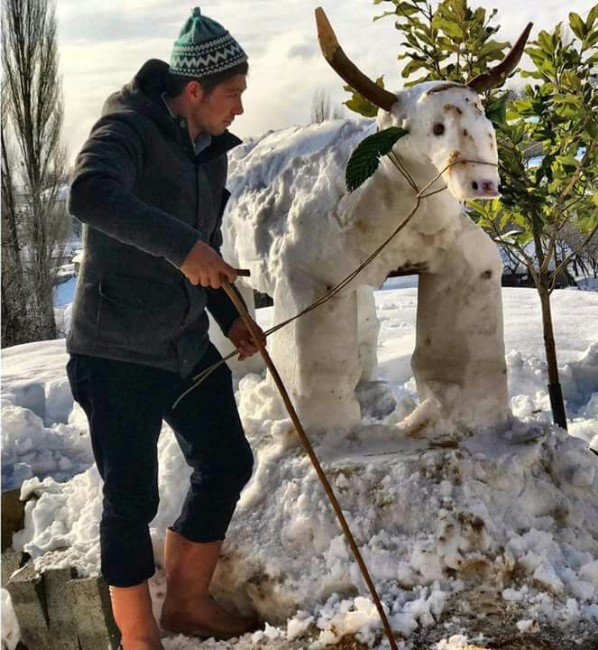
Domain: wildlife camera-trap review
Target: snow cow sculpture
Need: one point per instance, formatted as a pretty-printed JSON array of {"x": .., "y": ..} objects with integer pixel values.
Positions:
[{"x": 293, "y": 223}]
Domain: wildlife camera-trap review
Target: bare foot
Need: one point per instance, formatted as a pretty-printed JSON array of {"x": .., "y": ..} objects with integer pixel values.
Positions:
[{"x": 203, "y": 617}]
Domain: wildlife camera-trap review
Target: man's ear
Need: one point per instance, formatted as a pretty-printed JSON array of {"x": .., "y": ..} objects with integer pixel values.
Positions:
[{"x": 195, "y": 91}]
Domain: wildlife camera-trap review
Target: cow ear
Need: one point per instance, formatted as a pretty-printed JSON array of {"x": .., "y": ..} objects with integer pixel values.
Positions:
[
  {"x": 397, "y": 116},
  {"x": 385, "y": 121},
  {"x": 365, "y": 159}
]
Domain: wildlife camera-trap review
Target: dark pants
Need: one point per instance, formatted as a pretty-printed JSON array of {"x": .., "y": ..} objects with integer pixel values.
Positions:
[{"x": 125, "y": 404}]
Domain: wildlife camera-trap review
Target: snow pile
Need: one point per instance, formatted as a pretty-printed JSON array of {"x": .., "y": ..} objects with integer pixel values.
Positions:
[
  {"x": 442, "y": 524},
  {"x": 517, "y": 508},
  {"x": 30, "y": 449},
  {"x": 10, "y": 625},
  {"x": 42, "y": 434},
  {"x": 579, "y": 380},
  {"x": 514, "y": 512}
]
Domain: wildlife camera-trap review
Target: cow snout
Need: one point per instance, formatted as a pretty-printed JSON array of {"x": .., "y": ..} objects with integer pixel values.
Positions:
[{"x": 485, "y": 188}]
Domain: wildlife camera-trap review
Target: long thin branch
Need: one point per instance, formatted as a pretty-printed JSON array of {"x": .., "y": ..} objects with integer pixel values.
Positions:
[
  {"x": 553, "y": 235},
  {"x": 578, "y": 172},
  {"x": 569, "y": 257},
  {"x": 527, "y": 260}
]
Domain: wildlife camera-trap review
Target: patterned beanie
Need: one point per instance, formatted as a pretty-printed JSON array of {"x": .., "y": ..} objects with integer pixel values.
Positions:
[{"x": 204, "y": 48}]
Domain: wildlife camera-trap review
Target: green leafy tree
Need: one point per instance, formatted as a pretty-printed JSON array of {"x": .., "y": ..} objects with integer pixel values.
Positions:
[
  {"x": 556, "y": 114},
  {"x": 452, "y": 42},
  {"x": 556, "y": 191}
]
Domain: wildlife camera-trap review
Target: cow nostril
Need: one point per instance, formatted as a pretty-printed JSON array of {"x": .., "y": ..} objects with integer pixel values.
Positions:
[
  {"x": 488, "y": 186},
  {"x": 474, "y": 185}
]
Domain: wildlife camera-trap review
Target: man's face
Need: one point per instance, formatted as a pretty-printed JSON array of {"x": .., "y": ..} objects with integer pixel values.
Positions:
[{"x": 215, "y": 112}]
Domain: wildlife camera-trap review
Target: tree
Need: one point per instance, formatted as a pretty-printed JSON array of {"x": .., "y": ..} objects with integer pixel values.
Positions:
[
  {"x": 452, "y": 42},
  {"x": 541, "y": 201},
  {"x": 556, "y": 115},
  {"x": 15, "y": 325},
  {"x": 586, "y": 260},
  {"x": 322, "y": 108},
  {"x": 33, "y": 169}
]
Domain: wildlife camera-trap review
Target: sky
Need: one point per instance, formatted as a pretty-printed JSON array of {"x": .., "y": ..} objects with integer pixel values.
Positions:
[{"x": 102, "y": 45}]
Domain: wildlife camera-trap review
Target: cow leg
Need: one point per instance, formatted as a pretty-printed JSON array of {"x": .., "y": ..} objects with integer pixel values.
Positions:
[
  {"x": 376, "y": 398},
  {"x": 368, "y": 327},
  {"x": 316, "y": 355},
  {"x": 459, "y": 360}
]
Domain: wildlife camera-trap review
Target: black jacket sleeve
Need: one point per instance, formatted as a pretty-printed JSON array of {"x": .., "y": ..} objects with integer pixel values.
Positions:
[
  {"x": 102, "y": 195},
  {"x": 219, "y": 304}
]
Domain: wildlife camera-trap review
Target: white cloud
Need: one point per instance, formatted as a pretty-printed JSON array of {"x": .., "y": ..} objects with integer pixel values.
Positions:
[{"x": 103, "y": 45}]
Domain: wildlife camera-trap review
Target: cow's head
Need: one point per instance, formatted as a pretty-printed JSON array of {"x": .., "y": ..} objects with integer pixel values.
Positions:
[
  {"x": 445, "y": 120},
  {"x": 446, "y": 125}
]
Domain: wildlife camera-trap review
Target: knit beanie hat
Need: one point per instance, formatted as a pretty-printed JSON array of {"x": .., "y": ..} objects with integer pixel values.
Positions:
[{"x": 204, "y": 48}]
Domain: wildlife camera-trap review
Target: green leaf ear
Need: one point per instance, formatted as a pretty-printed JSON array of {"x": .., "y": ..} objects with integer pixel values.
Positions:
[{"x": 365, "y": 159}]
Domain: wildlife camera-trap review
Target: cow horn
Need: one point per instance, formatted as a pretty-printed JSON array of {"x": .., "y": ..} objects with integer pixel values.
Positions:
[
  {"x": 497, "y": 75},
  {"x": 333, "y": 53}
]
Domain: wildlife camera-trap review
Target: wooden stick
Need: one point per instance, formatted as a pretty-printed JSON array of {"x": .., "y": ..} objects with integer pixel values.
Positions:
[{"x": 310, "y": 452}]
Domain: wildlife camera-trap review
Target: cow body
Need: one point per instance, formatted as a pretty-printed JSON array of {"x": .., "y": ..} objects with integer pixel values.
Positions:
[{"x": 291, "y": 221}]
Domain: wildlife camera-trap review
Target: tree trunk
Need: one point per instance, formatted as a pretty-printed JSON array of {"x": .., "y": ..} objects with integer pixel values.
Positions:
[
  {"x": 15, "y": 322},
  {"x": 557, "y": 403},
  {"x": 16, "y": 325}
]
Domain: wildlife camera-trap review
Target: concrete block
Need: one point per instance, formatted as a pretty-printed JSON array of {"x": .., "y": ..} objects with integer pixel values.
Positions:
[
  {"x": 28, "y": 599},
  {"x": 11, "y": 561},
  {"x": 59, "y": 600},
  {"x": 93, "y": 614},
  {"x": 13, "y": 516}
]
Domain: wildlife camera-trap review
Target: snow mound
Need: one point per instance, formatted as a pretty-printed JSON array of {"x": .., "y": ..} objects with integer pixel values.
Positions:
[
  {"x": 514, "y": 512},
  {"x": 528, "y": 381},
  {"x": 31, "y": 449},
  {"x": 44, "y": 432},
  {"x": 507, "y": 517}
]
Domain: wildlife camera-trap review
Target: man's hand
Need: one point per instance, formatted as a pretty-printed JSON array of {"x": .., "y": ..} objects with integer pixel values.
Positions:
[
  {"x": 204, "y": 266},
  {"x": 241, "y": 337}
]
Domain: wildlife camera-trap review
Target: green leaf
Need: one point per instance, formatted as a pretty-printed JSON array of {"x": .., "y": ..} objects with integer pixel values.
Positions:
[
  {"x": 359, "y": 104},
  {"x": 496, "y": 109},
  {"x": 412, "y": 66},
  {"x": 365, "y": 159},
  {"x": 512, "y": 233},
  {"x": 449, "y": 27},
  {"x": 406, "y": 8},
  {"x": 590, "y": 40},
  {"x": 578, "y": 27},
  {"x": 546, "y": 42},
  {"x": 384, "y": 15}
]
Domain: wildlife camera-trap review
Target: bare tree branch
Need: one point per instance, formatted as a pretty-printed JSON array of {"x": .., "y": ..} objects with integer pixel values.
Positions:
[{"x": 322, "y": 108}]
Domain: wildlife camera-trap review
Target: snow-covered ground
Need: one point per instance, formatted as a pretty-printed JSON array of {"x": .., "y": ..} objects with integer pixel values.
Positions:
[{"x": 445, "y": 526}]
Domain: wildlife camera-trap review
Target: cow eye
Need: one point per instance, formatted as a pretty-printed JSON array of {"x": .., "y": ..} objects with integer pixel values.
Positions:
[{"x": 438, "y": 129}]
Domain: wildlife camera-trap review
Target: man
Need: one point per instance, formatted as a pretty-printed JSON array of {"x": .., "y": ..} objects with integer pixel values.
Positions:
[{"x": 149, "y": 185}]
